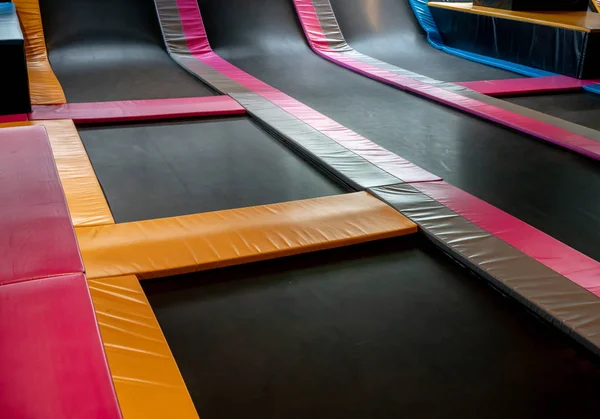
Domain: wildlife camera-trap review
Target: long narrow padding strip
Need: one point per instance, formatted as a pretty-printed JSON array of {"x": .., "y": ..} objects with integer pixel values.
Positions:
[
  {"x": 321, "y": 29},
  {"x": 140, "y": 110},
  {"x": 146, "y": 377},
  {"x": 187, "y": 43},
  {"x": 528, "y": 85},
  {"x": 564, "y": 260},
  {"x": 43, "y": 84},
  {"x": 85, "y": 198},
  {"x": 171, "y": 246},
  {"x": 551, "y": 295}
]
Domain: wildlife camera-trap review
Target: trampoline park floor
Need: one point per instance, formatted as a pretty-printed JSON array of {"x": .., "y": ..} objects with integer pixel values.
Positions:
[
  {"x": 282, "y": 293},
  {"x": 483, "y": 158}
]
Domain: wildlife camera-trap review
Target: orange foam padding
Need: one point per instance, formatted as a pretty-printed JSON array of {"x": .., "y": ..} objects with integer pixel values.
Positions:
[
  {"x": 171, "y": 246},
  {"x": 52, "y": 364},
  {"x": 145, "y": 374},
  {"x": 43, "y": 84},
  {"x": 86, "y": 201}
]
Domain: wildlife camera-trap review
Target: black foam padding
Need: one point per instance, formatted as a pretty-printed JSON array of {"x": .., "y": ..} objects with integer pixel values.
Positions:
[
  {"x": 383, "y": 330},
  {"x": 548, "y": 187},
  {"x": 112, "y": 50},
  {"x": 582, "y": 108},
  {"x": 13, "y": 65},
  {"x": 155, "y": 170},
  {"x": 389, "y": 31}
]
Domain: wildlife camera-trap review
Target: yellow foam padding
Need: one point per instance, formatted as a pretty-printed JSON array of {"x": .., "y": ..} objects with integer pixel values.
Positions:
[
  {"x": 147, "y": 380},
  {"x": 171, "y": 246},
  {"x": 578, "y": 21},
  {"x": 596, "y": 5},
  {"x": 43, "y": 84},
  {"x": 86, "y": 201}
]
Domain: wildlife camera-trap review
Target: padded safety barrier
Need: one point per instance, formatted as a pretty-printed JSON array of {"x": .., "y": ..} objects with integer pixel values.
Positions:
[
  {"x": 43, "y": 84},
  {"x": 348, "y": 156},
  {"x": 506, "y": 255},
  {"x": 566, "y": 261},
  {"x": 570, "y": 39},
  {"x": 326, "y": 39},
  {"x": 526, "y": 86},
  {"x": 140, "y": 110},
  {"x": 85, "y": 198},
  {"x": 146, "y": 378},
  {"x": 37, "y": 238},
  {"x": 170, "y": 246},
  {"x": 51, "y": 359}
]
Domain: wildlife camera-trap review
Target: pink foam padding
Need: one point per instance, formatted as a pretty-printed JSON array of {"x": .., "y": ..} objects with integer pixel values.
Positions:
[
  {"x": 541, "y": 130},
  {"x": 557, "y": 256},
  {"x": 18, "y": 117},
  {"x": 197, "y": 41},
  {"x": 52, "y": 360},
  {"x": 140, "y": 110},
  {"x": 526, "y": 85},
  {"x": 36, "y": 234}
]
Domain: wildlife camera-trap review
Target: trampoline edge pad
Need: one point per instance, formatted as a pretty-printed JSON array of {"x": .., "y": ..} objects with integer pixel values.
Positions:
[
  {"x": 554, "y": 297},
  {"x": 147, "y": 380},
  {"x": 44, "y": 86},
  {"x": 171, "y": 246}
]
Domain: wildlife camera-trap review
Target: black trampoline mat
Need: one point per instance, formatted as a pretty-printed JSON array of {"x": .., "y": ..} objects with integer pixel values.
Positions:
[
  {"x": 112, "y": 50},
  {"x": 155, "y": 170},
  {"x": 553, "y": 189},
  {"x": 389, "y": 329},
  {"x": 388, "y": 30},
  {"x": 582, "y": 108}
]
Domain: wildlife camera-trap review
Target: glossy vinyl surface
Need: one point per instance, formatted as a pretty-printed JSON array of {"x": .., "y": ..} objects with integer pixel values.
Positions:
[
  {"x": 552, "y": 189},
  {"x": 155, "y": 170},
  {"x": 112, "y": 50}
]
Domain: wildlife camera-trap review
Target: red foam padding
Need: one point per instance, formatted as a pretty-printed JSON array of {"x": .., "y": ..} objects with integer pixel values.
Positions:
[
  {"x": 36, "y": 234},
  {"x": 140, "y": 110},
  {"x": 559, "y": 257},
  {"x": 18, "y": 117},
  {"x": 52, "y": 362},
  {"x": 526, "y": 85}
]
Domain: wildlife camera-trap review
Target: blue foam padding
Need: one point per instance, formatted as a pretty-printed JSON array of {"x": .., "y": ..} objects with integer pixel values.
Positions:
[
  {"x": 7, "y": 7},
  {"x": 593, "y": 88},
  {"x": 10, "y": 29},
  {"x": 425, "y": 19}
]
